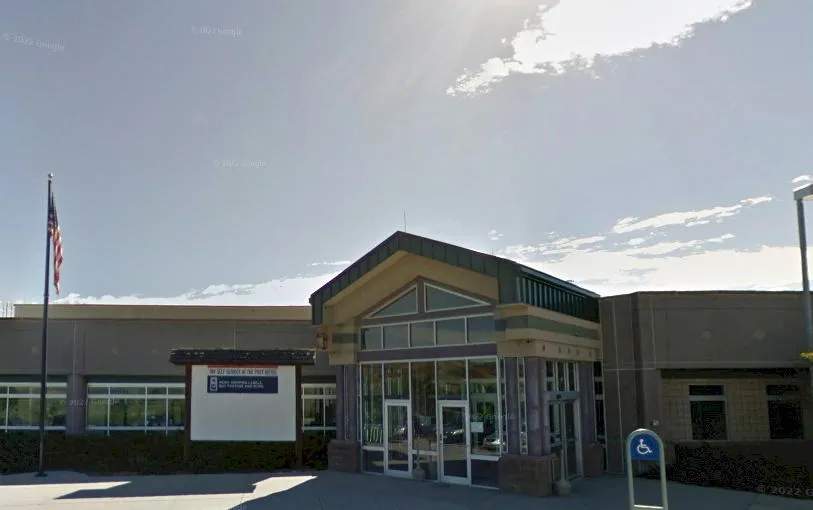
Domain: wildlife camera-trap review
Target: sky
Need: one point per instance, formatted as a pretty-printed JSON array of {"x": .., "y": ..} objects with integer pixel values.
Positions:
[{"x": 244, "y": 153}]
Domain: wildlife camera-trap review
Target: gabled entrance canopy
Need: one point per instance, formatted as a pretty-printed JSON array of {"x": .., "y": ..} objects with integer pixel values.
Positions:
[
  {"x": 411, "y": 278},
  {"x": 515, "y": 283}
]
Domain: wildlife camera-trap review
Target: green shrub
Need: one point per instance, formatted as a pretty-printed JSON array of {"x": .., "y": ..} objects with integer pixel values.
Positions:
[
  {"x": 746, "y": 466},
  {"x": 153, "y": 454}
]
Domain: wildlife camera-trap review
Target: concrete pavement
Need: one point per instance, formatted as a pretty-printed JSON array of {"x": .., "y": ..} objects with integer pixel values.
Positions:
[{"x": 334, "y": 491}]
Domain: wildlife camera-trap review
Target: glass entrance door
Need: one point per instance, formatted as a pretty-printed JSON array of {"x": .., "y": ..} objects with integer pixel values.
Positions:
[
  {"x": 397, "y": 438},
  {"x": 454, "y": 442},
  {"x": 565, "y": 439}
]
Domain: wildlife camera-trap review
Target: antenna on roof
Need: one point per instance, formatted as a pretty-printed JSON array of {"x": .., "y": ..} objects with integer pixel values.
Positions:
[{"x": 405, "y": 220}]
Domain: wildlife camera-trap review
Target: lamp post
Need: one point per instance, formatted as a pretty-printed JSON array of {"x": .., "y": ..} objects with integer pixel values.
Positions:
[{"x": 800, "y": 195}]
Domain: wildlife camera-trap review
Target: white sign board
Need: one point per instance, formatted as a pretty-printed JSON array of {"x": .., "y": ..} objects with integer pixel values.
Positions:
[{"x": 243, "y": 403}]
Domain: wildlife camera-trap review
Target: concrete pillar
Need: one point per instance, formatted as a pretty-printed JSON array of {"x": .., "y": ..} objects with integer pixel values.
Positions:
[
  {"x": 351, "y": 402},
  {"x": 76, "y": 405},
  {"x": 511, "y": 406},
  {"x": 587, "y": 402},
  {"x": 534, "y": 405},
  {"x": 544, "y": 402},
  {"x": 340, "y": 404}
]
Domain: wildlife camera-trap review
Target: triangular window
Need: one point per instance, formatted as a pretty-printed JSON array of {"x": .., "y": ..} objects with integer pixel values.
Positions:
[
  {"x": 439, "y": 299},
  {"x": 407, "y": 304}
]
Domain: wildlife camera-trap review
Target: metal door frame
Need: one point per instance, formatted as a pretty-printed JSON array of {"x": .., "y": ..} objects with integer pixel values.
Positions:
[
  {"x": 458, "y": 404},
  {"x": 577, "y": 439},
  {"x": 387, "y": 470}
]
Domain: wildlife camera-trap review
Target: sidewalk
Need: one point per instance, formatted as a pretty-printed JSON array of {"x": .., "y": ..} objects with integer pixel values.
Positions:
[{"x": 334, "y": 491}]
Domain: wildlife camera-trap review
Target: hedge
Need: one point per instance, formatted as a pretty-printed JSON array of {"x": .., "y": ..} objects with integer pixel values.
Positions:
[
  {"x": 772, "y": 467},
  {"x": 152, "y": 454}
]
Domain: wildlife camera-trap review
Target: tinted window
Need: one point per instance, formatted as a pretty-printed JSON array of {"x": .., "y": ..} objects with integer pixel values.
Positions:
[
  {"x": 422, "y": 334},
  {"x": 371, "y": 338},
  {"x": 404, "y": 305},
  {"x": 481, "y": 329},
  {"x": 451, "y": 332},
  {"x": 437, "y": 299}
]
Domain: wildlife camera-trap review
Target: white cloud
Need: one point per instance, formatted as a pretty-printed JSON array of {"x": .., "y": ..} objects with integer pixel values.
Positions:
[
  {"x": 610, "y": 263},
  {"x": 289, "y": 291},
  {"x": 493, "y": 235},
  {"x": 336, "y": 263},
  {"x": 619, "y": 272},
  {"x": 686, "y": 218},
  {"x": 574, "y": 33},
  {"x": 802, "y": 178}
]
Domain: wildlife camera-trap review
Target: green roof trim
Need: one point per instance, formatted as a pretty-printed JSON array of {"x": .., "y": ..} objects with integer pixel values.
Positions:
[{"x": 516, "y": 283}]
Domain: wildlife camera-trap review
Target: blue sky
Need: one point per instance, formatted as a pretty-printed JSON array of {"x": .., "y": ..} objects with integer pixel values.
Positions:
[{"x": 243, "y": 153}]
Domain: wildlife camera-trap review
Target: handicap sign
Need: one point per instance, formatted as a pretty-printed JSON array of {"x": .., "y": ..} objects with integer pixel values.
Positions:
[{"x": 644, "y": 446}]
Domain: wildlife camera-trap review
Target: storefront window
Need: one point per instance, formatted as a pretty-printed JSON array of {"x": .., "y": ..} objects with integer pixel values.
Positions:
[
  {"x": 452, "y": 380},
  {"x": 484, "y": 406},
  {"x": 319, "y": 408},
  {"x": 424, "y": 410},
  {"x": 20, "y": 406},
  {"x": 147, "y": 407},
  {"x": 372, "y": 405}
]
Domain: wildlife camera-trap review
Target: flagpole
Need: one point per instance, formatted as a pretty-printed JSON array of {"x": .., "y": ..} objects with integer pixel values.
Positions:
[{"x": 44, "y": 346}]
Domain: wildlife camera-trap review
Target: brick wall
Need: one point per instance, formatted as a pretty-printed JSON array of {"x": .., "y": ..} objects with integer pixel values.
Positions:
[{"x": 746, "y": 407}]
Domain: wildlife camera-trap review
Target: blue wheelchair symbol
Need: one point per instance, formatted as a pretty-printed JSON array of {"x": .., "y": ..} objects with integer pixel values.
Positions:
[{"x": 644, "y": 447}]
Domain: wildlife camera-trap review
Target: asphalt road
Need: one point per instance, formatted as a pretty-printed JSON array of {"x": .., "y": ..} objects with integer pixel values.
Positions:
[{"x": 333, "y": 491}]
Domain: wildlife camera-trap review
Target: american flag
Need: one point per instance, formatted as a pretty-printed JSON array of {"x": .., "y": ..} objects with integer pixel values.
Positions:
[{"x": 56, "y": 239}]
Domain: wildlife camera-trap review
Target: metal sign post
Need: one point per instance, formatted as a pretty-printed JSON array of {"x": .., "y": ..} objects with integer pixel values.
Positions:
[{"x": 644, "y": 444}]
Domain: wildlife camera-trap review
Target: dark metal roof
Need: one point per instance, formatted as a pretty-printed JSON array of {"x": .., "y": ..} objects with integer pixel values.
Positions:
[
  {"x": 505, "y": 271},
  {"x": 242, "y": 357}
]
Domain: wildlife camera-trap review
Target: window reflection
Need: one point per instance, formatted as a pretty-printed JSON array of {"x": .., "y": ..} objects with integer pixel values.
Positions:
[
  {"x": 371, "y": 339},
  {"x": 157, "y": 412},
  {"x": 483, "y": 406},
  {"x": 396, "y": 337},
  {"x": 422, "y": 334},
  {"x": 372, "y": 402},
  {"x": 452, "y": 380},
  {"x": 424, "y": 411},
  {"x": 396, "y": 381},
  {"x": 319, "y": 408},
  {"x": 127, "y": 412},
  {"x": 20, "y": 405},
  {"x": 451, "y": 332},
  {"x": 149, "y": 407},
  {"x": 480, "y": 329},
  {"x": 404, "y": 305}
]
